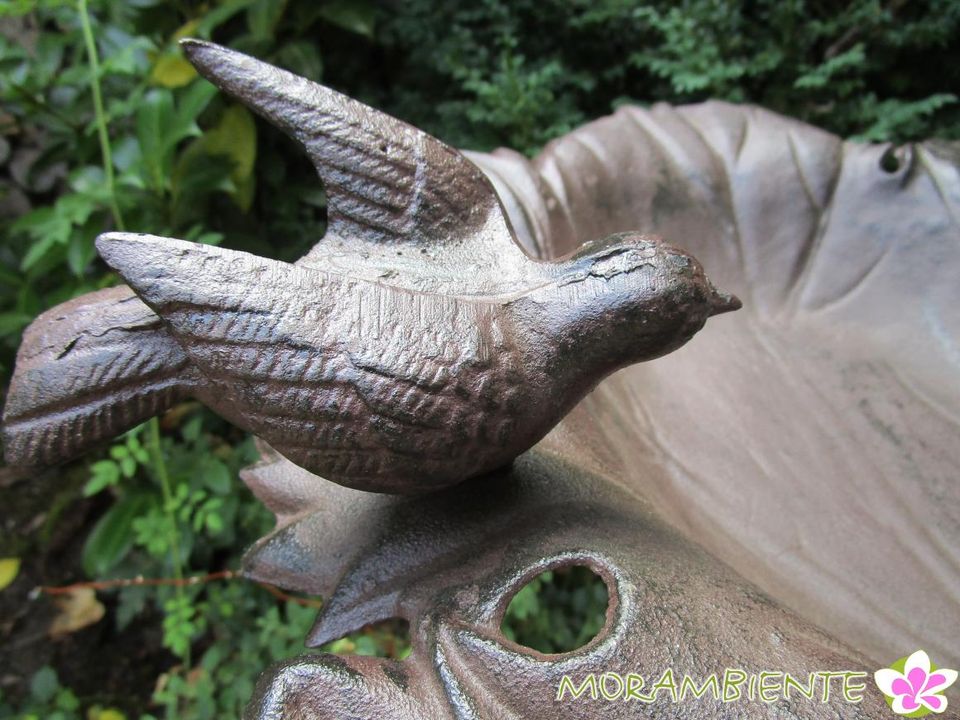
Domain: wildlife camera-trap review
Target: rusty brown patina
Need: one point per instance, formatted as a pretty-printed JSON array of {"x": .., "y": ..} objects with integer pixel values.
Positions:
[{"x": 449, "y": 564}]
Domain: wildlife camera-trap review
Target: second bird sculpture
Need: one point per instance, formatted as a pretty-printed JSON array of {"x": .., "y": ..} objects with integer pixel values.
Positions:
[{"x": 414, "y": 347}]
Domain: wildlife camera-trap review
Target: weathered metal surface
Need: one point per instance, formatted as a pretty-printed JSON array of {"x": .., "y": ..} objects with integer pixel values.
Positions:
[
  {"x": 414, "y": 347},
  {"x": 450, "y": 562},
  {"x": 810, "y": 442}
]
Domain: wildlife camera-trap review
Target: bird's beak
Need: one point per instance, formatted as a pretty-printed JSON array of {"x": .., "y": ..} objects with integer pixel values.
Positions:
[{"x": 722, "y": 302}]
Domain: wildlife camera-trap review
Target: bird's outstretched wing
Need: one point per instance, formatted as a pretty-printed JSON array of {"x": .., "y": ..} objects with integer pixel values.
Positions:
[{"x": 402, "y": 206}]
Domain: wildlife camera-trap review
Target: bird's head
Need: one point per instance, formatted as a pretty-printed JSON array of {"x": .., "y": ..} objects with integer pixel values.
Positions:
[{"x": 633, "y": 297}]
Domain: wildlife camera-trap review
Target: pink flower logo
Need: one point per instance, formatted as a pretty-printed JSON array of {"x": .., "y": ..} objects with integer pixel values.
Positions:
[{"x": 914, "y": 686}]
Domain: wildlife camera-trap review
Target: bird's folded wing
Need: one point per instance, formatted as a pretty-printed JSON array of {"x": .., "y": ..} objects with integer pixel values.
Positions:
[
  {"x": 403, "y": 206},
  {"x": 212, "y": 295},
  {"x": 313, "y": 362}
]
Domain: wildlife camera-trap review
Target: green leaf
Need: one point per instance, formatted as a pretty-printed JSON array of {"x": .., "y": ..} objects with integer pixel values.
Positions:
[
  {"x": 128, "y": 466},
  {"x": 896, "y": 118},
  {"x": 366, "y": 645},
  {"x": 88, "y": 180},
  {"x": 13, "y": 322},
  {"x": 264, "y": 16},
  {"x": 216, "y": 476},
  {"x": 75, "y": 208},
  {"x": 152, "y": 531},
  {"x": 9, "y": 569},
  {"x": 172, "y": 70},
  {"x": 191, "y": 103},
  {"x": 47, "y": 56},
  {"x": 53, "y": 226},
  {"x": 821, "y": 75},
  {"x": 197, "y": 173},
  {"x": 214, "y": 523},
  {"x": 98, "y": 713},
  {"x": 212, "y": 657},
  {"x": 38, "y": 250},
  {"x": 192, "y": 429},
  {"x": 208, "y": 238},
  {"x": 137, "y": 450},
  {"x": 16, "y": 8},
  {"x": 131, "y": 60},
  {"x": 154, "y": 120},
  {"x": 300, "y": 57},
  {"x": 122, "y": 108},
  {"x": 131, "y": 601},
  {"x": 66, "y": 700},
  {"x": 44, "y": 684},
  {"x": 126, "y": 154},
  {"x": 235, "y": 137},
  {"x": 103, "y": 474},
  {"x": 216, "y": 17},
  {"x": 43, "y": 224},
  {"x": 112, "y": 536},
  {"x": 81, "y": 250},
  {"x": 353, "y": 15}
]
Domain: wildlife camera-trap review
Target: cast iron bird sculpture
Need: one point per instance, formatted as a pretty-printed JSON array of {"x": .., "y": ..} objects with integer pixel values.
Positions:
[{"x": 414, "y": 347}]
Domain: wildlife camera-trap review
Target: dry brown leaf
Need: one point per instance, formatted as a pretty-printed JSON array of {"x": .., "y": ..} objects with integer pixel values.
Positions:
[{"x": 78, "y": 609}]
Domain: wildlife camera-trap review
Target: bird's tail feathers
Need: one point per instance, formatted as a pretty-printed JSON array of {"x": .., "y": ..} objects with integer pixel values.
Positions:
[{"x": 88, "y": 370}]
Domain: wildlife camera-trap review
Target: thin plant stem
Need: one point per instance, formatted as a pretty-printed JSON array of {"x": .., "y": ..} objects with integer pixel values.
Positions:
[
  {"x": 158, "y": 464},
  {"x": 101, "y": 117},
  {"x": 159, "y": 467}
]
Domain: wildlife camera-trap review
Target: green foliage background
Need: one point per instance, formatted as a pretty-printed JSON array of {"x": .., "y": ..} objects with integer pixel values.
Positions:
[{"x": 184, "y": 161}]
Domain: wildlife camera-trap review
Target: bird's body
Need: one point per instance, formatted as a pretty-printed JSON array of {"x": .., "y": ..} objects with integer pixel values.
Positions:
[
  {"x": 373, "y": 385},
  {"x": 374, "y": 368}
]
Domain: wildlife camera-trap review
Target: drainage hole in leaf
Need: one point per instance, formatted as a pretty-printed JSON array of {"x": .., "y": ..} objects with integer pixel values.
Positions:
[
  {"x": 889, "y": 162},
  {"x": 558, "y": 611}
]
